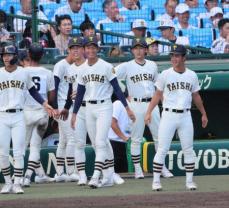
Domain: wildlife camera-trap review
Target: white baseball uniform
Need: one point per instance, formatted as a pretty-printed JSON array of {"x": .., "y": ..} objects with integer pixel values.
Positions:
[
  {"x": 177, "y": 91},
  {"x": 66, "y": 145},
  {"x": 80, "y": 129},
  {"x": 13, "y": 87},
  {"x": 140, "y": 81},
  {"x": 36, "y": 118},
  {"x": 96, "y": 79}
]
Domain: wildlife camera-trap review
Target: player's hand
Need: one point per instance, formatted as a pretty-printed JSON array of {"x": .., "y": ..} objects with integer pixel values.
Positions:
[
  {"x": 147, "y": 118},
  {"x": 73, "y": 95},
  {"x": 73, "y": 121},
  {"x": 130, "y": 114},
  {"x": 51, "y": 112},
  {"x": 64, "y": 114},
  {"x": 204, "y": 120}
]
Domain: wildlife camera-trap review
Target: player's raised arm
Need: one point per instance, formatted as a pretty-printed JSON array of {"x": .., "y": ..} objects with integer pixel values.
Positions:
[
  {"x": 121, "y": 97},
  {"x": 154, "y": 101},
  {"x": 199, "y": 104}
]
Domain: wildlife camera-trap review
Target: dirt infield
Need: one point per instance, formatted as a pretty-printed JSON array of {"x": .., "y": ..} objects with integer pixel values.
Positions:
[
  {"x": 187, "y": 200},
  {"x": 213, "y": 192}
]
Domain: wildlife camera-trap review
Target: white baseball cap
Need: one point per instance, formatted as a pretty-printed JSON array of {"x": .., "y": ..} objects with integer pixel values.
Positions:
[
  {"x": 182, "y": 8},
  {"x": 165, "y": 24},
  {"x": 139, "y": 23},
  {"x": 215, "y": 10}
]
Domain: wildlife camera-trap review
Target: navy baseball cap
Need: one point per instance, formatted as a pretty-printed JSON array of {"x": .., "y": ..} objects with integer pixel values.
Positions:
[
  {"x": 91, "y": 40},
  {"x": 75, "y": 41},
  {"x": 139, "y": 42},
  {"x": 178, "y": 49}
]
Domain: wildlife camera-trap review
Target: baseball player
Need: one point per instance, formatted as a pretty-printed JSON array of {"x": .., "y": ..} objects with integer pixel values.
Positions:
[
  {"x": 96, "y": 80},
  {"x": 80, "y": 132},
  {"x": 36, "y": 119},
  {"x": 140, "y": 84},
  {"x": 14, "y": 82},
  {"x": 66, "y": 145},
  {"x": 176, "y": 88}
]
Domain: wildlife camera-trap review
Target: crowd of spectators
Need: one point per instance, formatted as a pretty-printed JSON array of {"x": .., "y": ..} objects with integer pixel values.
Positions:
[{"x": 177, "y": 16}]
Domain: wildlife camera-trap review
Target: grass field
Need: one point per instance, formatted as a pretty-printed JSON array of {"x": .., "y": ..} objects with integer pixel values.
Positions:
[{"x": 40, "y": 195}]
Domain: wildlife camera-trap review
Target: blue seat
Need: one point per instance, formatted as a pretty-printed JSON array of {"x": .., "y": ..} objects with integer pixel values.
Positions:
[
  {"x": 122, "y": 28},
  {"x": 206, "y": 23},
  {"x": 50, "y": 9},
  {"x": 95, "y": 16},
  {"x": 153, "y": 3},
  {"x": 92, "y": 6},
  {"x": 131, "y": 15},
  {"x": 199, "y": 37},
  {"x": 154, "y": 33}
]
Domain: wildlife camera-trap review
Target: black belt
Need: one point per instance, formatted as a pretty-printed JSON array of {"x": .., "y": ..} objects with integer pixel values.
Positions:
[
  {"x": 13, "y": 110},
  {"x": 83, "y": 104},
  {"x": 176, "y": 110},
  {"x": 142, "y": 99},
  {"x": 95, "y": 101}
]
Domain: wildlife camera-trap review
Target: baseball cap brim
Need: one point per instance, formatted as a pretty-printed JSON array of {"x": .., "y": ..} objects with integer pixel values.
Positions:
[{"x": 139, "y": 44}]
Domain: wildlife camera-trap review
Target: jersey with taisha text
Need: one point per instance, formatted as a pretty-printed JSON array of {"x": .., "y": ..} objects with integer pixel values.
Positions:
[
  {"x": 61, "y": 70},
  {"x": 96, "y": 79},
  {"x": 177, "y": 88},
  {"x": 140, "y": 79},
  {"x": 44, "y": 82},
  {"x": 13, "y": 87}
]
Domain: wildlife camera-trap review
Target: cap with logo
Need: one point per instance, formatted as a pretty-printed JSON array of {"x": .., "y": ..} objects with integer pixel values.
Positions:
[
  {"x": 139, "y": 42},
  {"x": 182, "y": 8},
  {"x": 75, "y": 41},
  {"x": 151, "y": 41},
  {"x": 215, "y": 10},
  {"x": 178, "y": 49},
  {"x": 139, "y": 24},
  {"x": 90, "y": 40},
  {"x": 166, "y": 24}
]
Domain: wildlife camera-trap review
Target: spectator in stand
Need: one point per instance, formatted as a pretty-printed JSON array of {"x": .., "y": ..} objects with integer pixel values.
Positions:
[
  {"x": 167, "y": 31},
  {"x": 26, "y": 10},
  {"x": 128, "y": 5},
  {"x": 216, "y": 14},
  {"x": 71, "y": 8},
  {"x": 110, "y": 7},
  {"x": 64, "y": 23},
  {"x": 219, "y": 44},
  {"x": 4, "y": 34},
  {"x": 192, "y": 3},
  {"x": 152, "y": 47},
  {"x": 115, "y": 51},
  {"x": 138, "y": 30},
  {"x": 87, "y": 27},
  {"x": 209, "y": 4},
  {"x": 183, "y": 15},
  {"x": 226, "y": 48},
  {"x": 225, "y": 3},
  {"x": 170, "y": 14}
]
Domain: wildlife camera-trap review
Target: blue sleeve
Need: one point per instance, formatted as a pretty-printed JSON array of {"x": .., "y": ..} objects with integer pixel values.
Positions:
[
  {"x": 57, "y": 82},
  {"x": 79, "y": 98},
  {"x": 118, "y": 92},
  {"x": 33, "y": 92},
  {"x": 68, "y": 103}
]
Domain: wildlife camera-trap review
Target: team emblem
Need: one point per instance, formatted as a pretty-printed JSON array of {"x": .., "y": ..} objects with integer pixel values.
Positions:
[{"x": 113, "y": 70}]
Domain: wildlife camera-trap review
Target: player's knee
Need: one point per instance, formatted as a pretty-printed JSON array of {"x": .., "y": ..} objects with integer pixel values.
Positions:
[
  {"x": 135, "y": 141},
  {"x": 189, "y": 155},
  {"x": 162, "y": 152},
  {"x": 80, "y": 145},
  {"x": 34, "y": 154}
]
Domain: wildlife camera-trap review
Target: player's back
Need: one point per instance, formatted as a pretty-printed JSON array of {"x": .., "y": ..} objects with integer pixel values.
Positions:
[{"x": 43, "y": 81}]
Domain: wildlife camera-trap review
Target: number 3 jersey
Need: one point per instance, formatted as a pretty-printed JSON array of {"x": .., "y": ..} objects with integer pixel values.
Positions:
[{"x": 43, "y": 81}]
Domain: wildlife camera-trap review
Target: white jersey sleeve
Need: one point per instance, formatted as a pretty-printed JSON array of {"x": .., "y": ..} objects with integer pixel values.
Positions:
[
  {"x": 29, "y": 82},
  {"x": 160, "y": 82},
  {"x": 196, "y": 86},
  {"x": 51, "y": 84},
  {"x": 121, "y": 71},
  {"x": 111, "y": 72}
]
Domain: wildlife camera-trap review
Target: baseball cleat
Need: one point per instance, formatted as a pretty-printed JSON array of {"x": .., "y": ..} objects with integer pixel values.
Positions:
[
  {"x": 117, "y": 179},
  {"x": 16, "y": 189},
  {"x": 26, "y": 182},
  {"x": 82, "y": 180},
  {"x": 6, "y": 189},
  {"x": 72, "y": 177},
  {"x": 43, "y": 179},
  {"x": 61, "y": 178},
  {"x": 191, "y": 186},
  {"x": 156, "y": 186},
  {"x": 165, "y": 173},
  {"x": 94, "y": 183},
  {"x": 106, "y": 182},
  {"x": 138, "y": 173}
]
